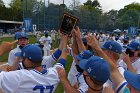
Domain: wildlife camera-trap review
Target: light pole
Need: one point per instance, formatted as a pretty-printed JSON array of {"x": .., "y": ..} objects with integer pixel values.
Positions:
[
  {"x": 22, "y": 9},
  {"x": 38, "y": 16},
  {"x": 44, "y": 15}
]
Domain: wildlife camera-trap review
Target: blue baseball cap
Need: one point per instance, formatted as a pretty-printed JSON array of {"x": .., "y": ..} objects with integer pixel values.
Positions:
[
  {"x": 32, "y": 52},
  {"x": 85, "y": 54},
  {"x": 112, "y": 46},
  {"x": 46, "y": 33},
  {"x": 132, "y": 79},
  {"x": 19, "y": 35},
  {"x": 96, "y": 67},
  {"x": 133, "y": 46}
]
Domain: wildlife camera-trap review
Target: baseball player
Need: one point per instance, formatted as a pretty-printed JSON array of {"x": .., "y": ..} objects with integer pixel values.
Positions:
[
  {"x": 75, "y": 77},
  {"x": 73, "y": 74},
  {"x": 46, "y": 41},
  {"x": 47, "y": 61},
  {"x": 33, "y": 79},
  {"x": 22, "y": 41}
]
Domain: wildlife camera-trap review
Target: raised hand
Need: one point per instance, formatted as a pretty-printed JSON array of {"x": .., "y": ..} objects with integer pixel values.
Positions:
[
  {"x": 92, "y": 41},
  {"x": 77, "y": 32},
  {"x": 6, "y": 46}
]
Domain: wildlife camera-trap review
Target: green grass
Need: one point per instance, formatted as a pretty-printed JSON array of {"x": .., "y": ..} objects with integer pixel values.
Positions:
[{"x": 32, "y": 40}]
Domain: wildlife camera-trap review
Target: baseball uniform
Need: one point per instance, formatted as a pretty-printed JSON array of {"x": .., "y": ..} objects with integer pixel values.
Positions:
[{"x": 31, "y": 81}]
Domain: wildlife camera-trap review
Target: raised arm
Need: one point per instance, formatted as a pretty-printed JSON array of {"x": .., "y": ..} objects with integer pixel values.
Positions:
[
  {"x": 74, "y": 46},
  {"x": 81, "y": 46}
]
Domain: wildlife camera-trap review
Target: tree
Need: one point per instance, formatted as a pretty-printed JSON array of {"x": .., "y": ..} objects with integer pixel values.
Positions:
[
  {"x": 1, "y": 3},
  {"x": 96, "y": 4},
  {"x": 88, "y": 3}
]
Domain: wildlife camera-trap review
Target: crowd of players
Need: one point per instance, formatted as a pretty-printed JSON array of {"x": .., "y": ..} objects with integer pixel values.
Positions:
[{"x": 102, "y": 63}]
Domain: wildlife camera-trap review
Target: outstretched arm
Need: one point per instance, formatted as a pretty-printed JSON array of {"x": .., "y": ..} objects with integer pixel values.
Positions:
[
  {"x": 116, "y": 77},
  {"x": 6, "y": 46}
]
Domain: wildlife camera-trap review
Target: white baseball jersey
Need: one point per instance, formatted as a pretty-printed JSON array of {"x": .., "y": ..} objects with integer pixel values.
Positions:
[
  {"x": 136, "y": 65},
  {"x": 30, "y": 81},
  {"x": 72, "y": 74},
  {"x": 75, "y": 77},
  {"x": 48, "y": 61},
  {"x": 53, "y": 34},
  {"x": 102, "y": 39},
  {"x": 47, "y": 42},
  {"x": 12, "y": 56},
  {"x": 137, "y": 39}
]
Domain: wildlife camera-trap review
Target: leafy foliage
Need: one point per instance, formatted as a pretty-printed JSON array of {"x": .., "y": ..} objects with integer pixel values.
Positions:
[{"x": 90, "y": 14}]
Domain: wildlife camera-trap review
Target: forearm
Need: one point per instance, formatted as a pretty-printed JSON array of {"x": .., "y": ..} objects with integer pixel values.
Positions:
[
  {"x": 67, "y": 87},
  {"x": 60, "y": 45},
  {"x": 100, "y": 53},
  {"x": 81, "y": 46},
  {"x": 74, "y": 47}
]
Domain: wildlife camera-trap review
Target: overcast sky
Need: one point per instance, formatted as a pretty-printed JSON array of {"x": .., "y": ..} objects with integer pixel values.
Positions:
[{"x": 106, "y": 4}]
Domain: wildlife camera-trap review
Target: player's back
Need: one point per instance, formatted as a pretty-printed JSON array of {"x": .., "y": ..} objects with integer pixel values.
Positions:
[{"x": 29, "y": 81}]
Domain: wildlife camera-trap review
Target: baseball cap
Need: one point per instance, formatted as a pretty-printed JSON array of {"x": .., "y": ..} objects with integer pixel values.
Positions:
[
  {"x": 113, "y": 46},
  {"x": 19, "y": 35},
  {"x": 85, "y": 54},
  {"x": 32, "y": 52},
  {"x": 133, "y": 46},
  {"x": 96, "y": 67},
  {"x": 46, "y": 33},
  {"x": 132, "y": 79}
]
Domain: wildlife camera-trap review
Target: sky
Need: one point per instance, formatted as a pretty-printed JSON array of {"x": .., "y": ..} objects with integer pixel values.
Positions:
[{"x": 106, "y": 4}]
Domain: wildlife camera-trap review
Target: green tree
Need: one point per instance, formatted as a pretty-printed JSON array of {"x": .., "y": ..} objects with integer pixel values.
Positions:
[
  {"x": 88, "y": 3},
  {"x": 96, "y": 4},
  {"x": 1, "y": 3}
]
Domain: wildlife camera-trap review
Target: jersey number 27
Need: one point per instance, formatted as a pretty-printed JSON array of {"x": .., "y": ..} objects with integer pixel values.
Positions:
[{"x": 42, "y": 88}]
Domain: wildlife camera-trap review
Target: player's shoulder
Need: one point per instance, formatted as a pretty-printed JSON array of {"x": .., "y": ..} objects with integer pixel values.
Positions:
[
  {"x": 15, "y": 73},
  {"x": 53, "y": 71},
  {"x": 17, "y": 49},
  {"x": 137, "y": 61}
]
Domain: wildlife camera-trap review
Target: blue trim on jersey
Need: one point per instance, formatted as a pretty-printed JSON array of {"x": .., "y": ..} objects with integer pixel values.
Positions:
[
  {"x": 78, "y": 75},
  {"x": 71, "y": 52},
  {"x": 56, "y": 54},
  {"x": 44, "y": 71},
  {"x": 80, "y": 90},
  {"x": 62, "y": 62},
  {"x": 125, "y": 83}
]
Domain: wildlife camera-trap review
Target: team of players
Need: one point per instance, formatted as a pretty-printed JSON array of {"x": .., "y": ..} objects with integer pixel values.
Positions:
[{"x": 94, "y": 69}]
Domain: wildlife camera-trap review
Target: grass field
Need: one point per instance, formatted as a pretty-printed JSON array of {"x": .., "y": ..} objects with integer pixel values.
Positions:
[{"x": 32, "y": 40}]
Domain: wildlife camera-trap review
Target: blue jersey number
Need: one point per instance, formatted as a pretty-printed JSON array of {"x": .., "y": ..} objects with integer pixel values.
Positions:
[{"x": 42, "y": 88}]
